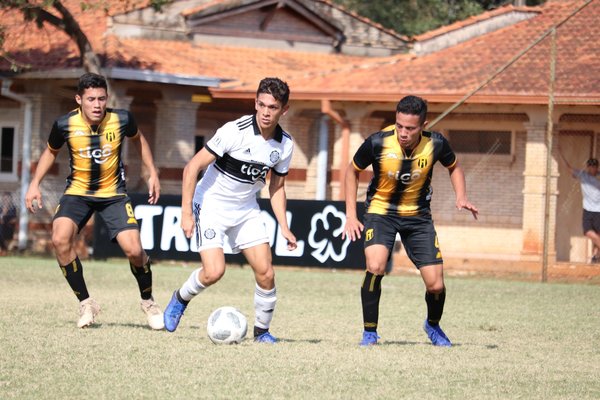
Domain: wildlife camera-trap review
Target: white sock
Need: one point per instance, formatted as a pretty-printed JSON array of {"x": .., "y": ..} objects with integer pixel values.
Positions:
[
  {"x": 192, "y": 287},
  {"x": 264, "y": 305}
]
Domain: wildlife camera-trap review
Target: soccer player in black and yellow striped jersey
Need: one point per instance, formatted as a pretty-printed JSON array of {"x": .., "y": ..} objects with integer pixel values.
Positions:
[
  {"x": 398, "y": 202},
  {"x": 94, "y": 135}
]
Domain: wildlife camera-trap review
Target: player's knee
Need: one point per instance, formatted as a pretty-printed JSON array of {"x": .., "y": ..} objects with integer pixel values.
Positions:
[
  {"x": 435, "y": 287},
  {"x": 376, "y": 269},
  {"x": 266, "y": 278},
  {"x": 211, "y": 277},
  {"x": 137, "y": 258},
  {"x": 61, "y": 243}
]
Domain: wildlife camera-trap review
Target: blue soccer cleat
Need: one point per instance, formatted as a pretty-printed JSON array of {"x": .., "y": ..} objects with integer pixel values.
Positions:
[
  {"x": 173, "y": 313},
  {"x": 265, "y": 338},
  {"x": 369, "y": 339},
  {"x": 436, "y": 335}
]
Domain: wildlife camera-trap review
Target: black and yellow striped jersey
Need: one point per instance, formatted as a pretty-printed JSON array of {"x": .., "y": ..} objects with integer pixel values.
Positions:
[
  {"x": 401, "y": 183},
  {"x": 95, "y": 151}
]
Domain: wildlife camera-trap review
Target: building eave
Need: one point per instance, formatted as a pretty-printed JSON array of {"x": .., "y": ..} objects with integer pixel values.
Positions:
[
  {"x": 431, "y": 97},
  {"x": 126, "y": 74}
]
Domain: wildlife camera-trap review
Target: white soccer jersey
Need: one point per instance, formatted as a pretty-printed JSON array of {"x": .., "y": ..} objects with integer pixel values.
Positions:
[{"x": 244, "y": 159}]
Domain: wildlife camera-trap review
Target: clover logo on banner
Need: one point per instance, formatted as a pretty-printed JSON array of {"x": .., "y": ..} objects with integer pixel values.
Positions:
[{"x": 325, "y": 235}]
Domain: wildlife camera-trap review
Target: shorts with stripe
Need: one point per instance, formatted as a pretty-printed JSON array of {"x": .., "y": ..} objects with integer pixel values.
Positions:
[
  {"x": 416, "y": 232},
  {"x": 231, "y": 230},
  {"x": 116, "y": 212}
]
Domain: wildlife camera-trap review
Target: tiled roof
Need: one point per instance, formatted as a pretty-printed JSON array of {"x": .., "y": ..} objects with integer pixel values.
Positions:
[
  {"x": 473, "y": 20},
  {"x": 450, "y": 74},
  {"x": 446, "y": 75},
  {"x": 237, "y": 65}
]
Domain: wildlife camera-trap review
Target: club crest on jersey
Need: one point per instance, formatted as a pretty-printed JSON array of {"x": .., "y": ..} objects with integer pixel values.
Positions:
[
  {"x": 422, "y": 162},
  {"x": 274, "y": 157},
  {"x": 110, "y": 136},
  {"x": 209, "y": 234}
]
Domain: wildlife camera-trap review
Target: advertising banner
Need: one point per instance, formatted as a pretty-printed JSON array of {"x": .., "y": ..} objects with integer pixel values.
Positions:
[{"x": 317, "y": 225}]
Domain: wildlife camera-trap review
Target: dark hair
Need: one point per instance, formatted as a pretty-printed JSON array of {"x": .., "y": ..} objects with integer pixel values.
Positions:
[
  {"x": 592, "y": 162},
  {"x": 413, "y": 105},
  {"x": 91, "y": 80},
  {"x": 276, "y": 88}
]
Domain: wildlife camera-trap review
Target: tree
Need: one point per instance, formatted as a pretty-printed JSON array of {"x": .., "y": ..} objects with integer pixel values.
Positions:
[
  {"x": 41, "y": 12},
  {"x": 413, "y": 17}
]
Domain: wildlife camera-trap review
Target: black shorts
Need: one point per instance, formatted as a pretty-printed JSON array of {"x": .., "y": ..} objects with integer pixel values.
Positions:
[
  {"x": 116, "y": 212},
  {"x": 417, "y": 233},
  {"x": 591, "y": 221}
]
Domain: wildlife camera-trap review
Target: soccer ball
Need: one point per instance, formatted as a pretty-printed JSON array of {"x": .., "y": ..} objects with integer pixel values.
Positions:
[{"x": 227, "y": 325}]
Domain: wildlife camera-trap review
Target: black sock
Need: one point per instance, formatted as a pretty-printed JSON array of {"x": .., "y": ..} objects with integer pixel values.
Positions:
[
  {"x": 259, "y": 331},
  {"x": 73, "y": 272},
  {"x": 180, "y": 299},
  {"x": 143, "y": 276},
  {"x": 370, "y": 292},
  {"x": 435, "y": 306}
]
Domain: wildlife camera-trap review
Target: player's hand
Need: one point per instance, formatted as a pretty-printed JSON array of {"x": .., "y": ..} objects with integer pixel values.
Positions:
[
  {"x": 291, "y": 239},
  {"x": 33, "y": 194},
  {"x": 153, "y": 189},
  {"x": 352, "y": 228},
  {"x": 188, "y": 224},
  {"x": 465, "y": 204}
]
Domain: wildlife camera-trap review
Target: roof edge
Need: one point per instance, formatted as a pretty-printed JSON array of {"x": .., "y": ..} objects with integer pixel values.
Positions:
[
  {"x": 431, "y": 98},
  {"x": 126, "y": 74}
]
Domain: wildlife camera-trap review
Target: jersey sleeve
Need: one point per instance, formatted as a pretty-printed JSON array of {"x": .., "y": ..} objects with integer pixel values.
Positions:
[
  {"x": 447, "y": 156},
  {"x": 131, "y": 128},
  {"x": 364, "y": 156},
  {"x": 56, "y": 139},
  {"x": 222, "y": 141}
]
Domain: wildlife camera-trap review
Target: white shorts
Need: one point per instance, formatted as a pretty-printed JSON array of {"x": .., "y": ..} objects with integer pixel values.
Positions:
[{"x": 231, "y": 230}]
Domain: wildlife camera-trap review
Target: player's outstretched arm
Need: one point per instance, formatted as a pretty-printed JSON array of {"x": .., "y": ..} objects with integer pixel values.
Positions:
[
  {"x": 457, "y": 177},
  {"x": 279, "y": 206},
  {"x": 33, "y": 192},
  {"x": 188, "y": 184},
  {"x": 353, "y": 226},
  {"x": 143, "y": 148},
  {"x": 564, "y": 160}
]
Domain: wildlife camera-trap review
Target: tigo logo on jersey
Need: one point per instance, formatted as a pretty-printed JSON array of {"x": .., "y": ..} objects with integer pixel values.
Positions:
[
  {"x": 405, "y": 178},
  {"x": 99, "y": 155},
  {"x": 255, "y": 172}
]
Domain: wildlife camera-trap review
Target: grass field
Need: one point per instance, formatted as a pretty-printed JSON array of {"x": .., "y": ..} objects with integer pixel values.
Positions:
[{"x": 512, "y": 340}]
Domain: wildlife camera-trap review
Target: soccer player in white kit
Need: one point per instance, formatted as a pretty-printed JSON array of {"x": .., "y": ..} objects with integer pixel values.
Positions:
[{"x": 223, "y": 208}]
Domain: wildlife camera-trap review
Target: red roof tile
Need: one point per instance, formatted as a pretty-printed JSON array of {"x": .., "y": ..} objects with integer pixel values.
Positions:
[
  {"x": 447, "y": 74},
  {"x": 473, "y": 20},
  {"x": 455, "y": 71}
]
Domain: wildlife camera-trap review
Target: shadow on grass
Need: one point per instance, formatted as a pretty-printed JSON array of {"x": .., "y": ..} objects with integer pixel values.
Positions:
[
  {"x": 454, "y": 344},
  {"x": 311, "y": 341},
  {"x": 128, "y": 325}
]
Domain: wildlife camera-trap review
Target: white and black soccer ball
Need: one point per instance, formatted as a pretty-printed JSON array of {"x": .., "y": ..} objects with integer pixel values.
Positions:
[{"x": 227, "y": 325}]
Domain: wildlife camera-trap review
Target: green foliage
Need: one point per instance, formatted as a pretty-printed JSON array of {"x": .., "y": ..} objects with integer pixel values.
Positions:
[{"x": 413, "y": 17}]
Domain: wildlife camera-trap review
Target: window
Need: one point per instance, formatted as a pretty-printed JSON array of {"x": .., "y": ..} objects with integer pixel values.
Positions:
[
  {"x": 481, "y": 142},
  {"x": 8, "y": 147}
]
